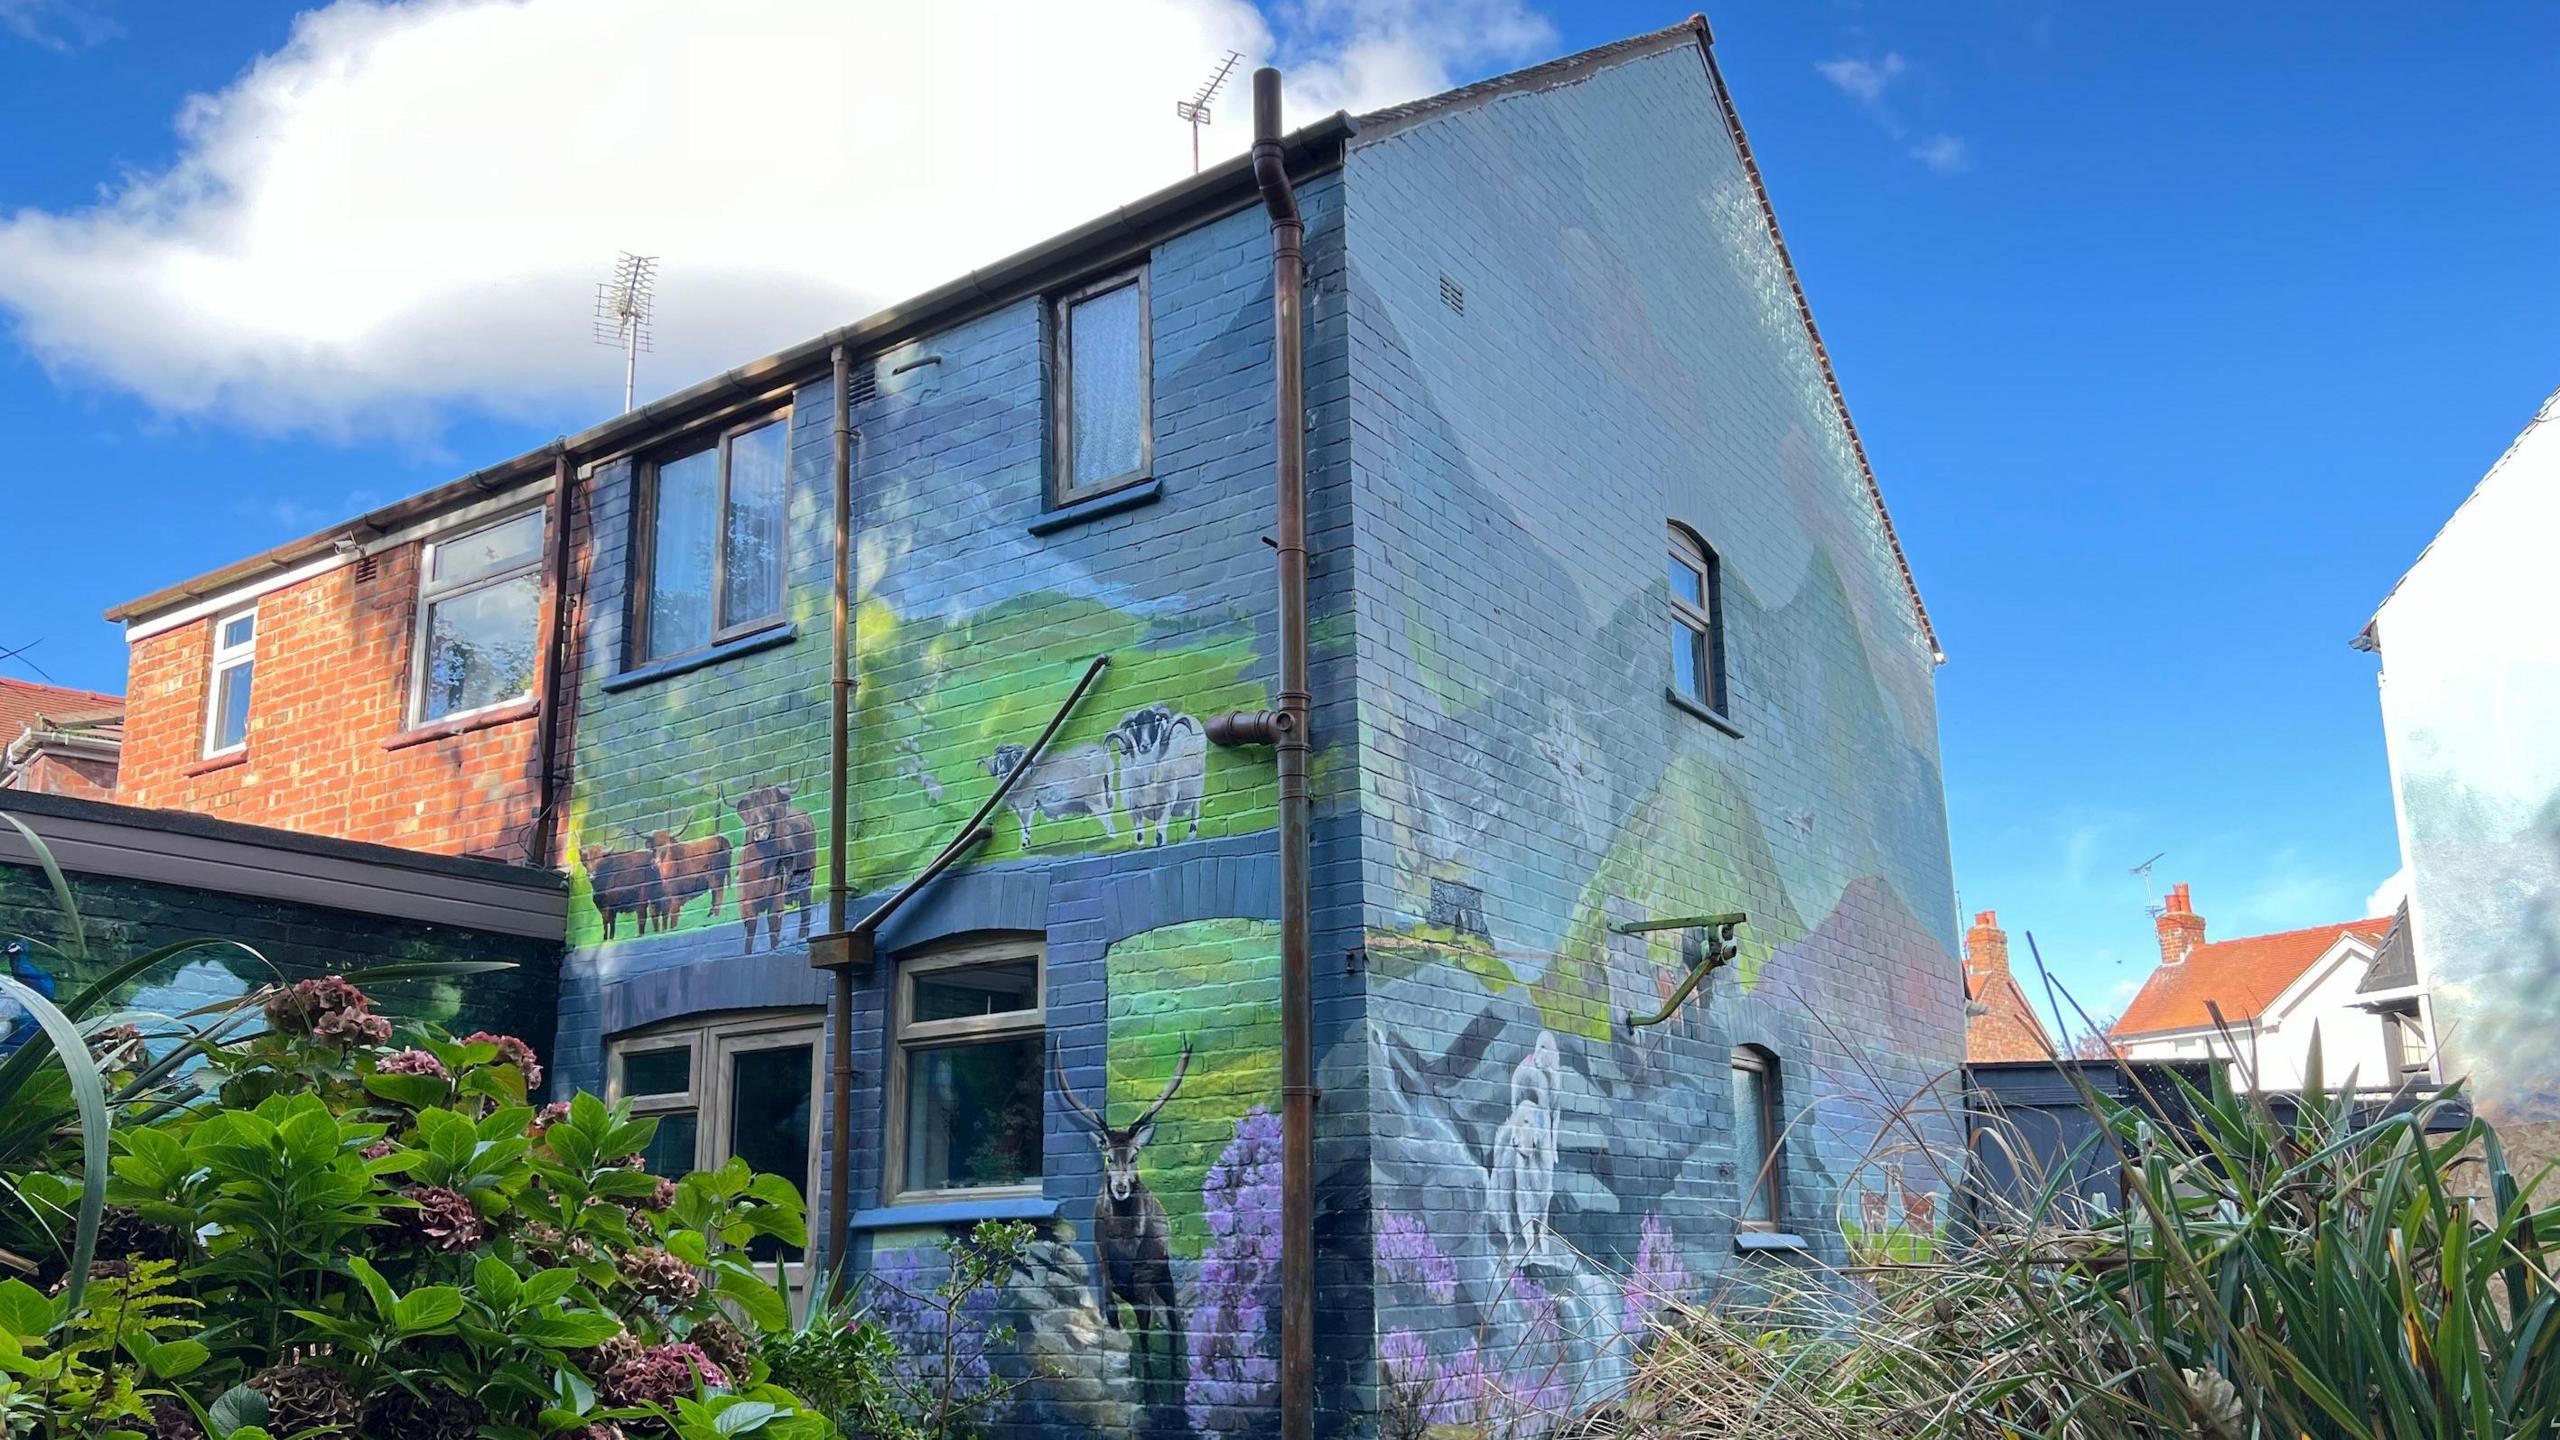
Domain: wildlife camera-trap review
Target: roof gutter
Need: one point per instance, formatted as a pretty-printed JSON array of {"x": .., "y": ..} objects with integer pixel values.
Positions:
[{"x": 1221, "y": 189}]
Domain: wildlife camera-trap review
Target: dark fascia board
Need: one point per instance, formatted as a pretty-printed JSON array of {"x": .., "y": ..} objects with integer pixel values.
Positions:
[
  {"x": 188, "y": 822},
  {"x": 1218, "y": 191}
]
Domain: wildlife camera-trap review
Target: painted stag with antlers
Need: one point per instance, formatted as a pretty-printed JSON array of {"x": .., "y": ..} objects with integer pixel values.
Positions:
[{"x": 1132, "y": 1239}]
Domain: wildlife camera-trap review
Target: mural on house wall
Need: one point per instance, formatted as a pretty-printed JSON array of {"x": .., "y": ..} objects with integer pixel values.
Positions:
[{"x": 1544, "y": 1175}]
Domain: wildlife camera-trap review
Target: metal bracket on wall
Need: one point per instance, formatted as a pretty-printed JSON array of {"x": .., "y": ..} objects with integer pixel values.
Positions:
[{"x": 1715, "y": 951}]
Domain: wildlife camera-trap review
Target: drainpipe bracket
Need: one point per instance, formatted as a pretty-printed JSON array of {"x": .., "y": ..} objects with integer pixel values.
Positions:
[{"x": 843, "y": 950}]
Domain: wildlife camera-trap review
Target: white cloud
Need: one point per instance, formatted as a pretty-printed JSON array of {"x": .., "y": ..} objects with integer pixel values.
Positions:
[
  {"x": 1943, "y": 153},
  {"x": 403, "y": 211},
  {"x": 2388, "y": 896},
  {"x": 1871, "y": 83},
  {"x": 56, "y": 24},
  {"x": 1864, "y": 81}
]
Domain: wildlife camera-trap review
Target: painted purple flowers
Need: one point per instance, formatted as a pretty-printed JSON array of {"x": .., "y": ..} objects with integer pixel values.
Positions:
[
  {"x": 1660, "y": 1281},
  {"x": 1235, "y": 1341},
  {"x": 1408, "y": 1256}
]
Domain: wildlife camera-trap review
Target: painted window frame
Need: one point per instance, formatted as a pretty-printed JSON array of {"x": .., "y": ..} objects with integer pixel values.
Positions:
[
  {"x": 1063, "y": 491},
  {"x": 1705, "y": 623},
  {"x": 708, "y": 1042},
  {"x": 1766, "y": 1185},
  {"x": 644, "y": 537},
  {"x": 908, "y": 1035},
  {"x": 221, "y": 658},
  {"x": 432, "y": 593}
]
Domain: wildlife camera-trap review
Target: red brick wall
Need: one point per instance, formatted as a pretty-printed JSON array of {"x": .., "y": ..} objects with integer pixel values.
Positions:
[
  {"x": 68, "y": 775},
  {"x": 331, "y": 687}
]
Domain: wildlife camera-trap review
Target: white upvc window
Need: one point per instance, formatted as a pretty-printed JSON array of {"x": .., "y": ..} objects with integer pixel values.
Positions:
[
  {"x": 479, "y": 619},
  {"x": 965, "y": 1088},
  {"x": 235, "y": 654},
  {"x": 743, "y": 1086}
]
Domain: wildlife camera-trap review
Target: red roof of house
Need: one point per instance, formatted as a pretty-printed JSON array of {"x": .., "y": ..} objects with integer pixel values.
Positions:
[
  {"x": 2241, "y": 977},
  {"x": 21, "y": 701}
]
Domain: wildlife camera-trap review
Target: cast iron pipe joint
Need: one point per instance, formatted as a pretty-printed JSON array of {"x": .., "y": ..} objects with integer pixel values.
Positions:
[
  {"x": 1270, "y": 171},
  {"x": 1248, "y": 727}
]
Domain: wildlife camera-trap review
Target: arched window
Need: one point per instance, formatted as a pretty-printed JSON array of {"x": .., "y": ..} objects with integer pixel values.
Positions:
[
  {"x": 1759, "y": 1159},
  {"x": 1697, "y": 622}
]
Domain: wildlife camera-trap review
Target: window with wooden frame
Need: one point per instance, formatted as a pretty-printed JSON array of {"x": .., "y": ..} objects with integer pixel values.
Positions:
[
  {"x": 233, "y": 667},
  {"x": 479, "y": 618},
  {"x": 1102, "y": 406},
  {"x": 965, "y": 1092},
  {"x": 1697, "y": 626},
  {"x": 1759, "y": 1156},
  {"x": 740, "y": 1085},
  {"x": 710, "y": 540}
]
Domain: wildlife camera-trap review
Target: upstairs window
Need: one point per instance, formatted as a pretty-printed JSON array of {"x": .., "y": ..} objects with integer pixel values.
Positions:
[
  {"x": 235, "y": 654},
  {"x": 711, "y": 539},
  {"x": 1697, "y": 633},
  {"x": 1102, "y": 411},
  {"x": 965, "y": 1078},
  {"x": 1758, "y": 1158},
  {"x": 479, "y": 619}
]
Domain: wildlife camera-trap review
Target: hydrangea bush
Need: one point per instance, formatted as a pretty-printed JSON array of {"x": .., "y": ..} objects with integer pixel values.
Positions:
[{"x": 354, "y": 1237}]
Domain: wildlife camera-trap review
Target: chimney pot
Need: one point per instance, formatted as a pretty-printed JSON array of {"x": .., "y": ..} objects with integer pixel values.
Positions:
[{"x": 2181, "y": 928}]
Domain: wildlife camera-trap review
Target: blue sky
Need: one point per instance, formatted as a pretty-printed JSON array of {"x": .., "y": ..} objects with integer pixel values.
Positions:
[{"x": 2174, "y": 332}]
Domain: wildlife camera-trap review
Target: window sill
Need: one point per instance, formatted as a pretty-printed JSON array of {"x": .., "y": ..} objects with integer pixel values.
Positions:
[
  {"x": 223, "y": 761},
  {"x": 1715, "y": 718},
  {"x": 1768, "y": 1242},
  {"x": 453, "y": 725},
  {"x": 955, "y": 1212},
  {"x": 1094, "y": 507},
  {"x": 747, "y": 644}
]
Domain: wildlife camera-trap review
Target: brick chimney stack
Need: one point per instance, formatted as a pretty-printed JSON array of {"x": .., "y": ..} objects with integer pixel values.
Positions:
[
  {"x": 2181, "y": 928},
  {"x": 1986, "y": 946}
]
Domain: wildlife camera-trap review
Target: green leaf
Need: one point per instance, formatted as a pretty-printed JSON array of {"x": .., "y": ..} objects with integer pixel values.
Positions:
[
  {"x": 384, "y": 1297},
  {"x": 427, "y": 1308},
  {"x": 499, "y": 1284},
  {"x": 24, "y": 1311},
  {"x": 74, "y": 933},
  {"x": 418, "y": 1092},
  {"x": 173, "y": 1358},
  {"x": 89, "y": 1093},
  {"x": 755, "y": 1299},
  {"x": 235, "y": 1410},
  {"x": 572, "y": 1330},
  {"x": 689, "y": 1246},
  {"x": 547, "y": 1286},
  {"x": 744, "y": 1416},
  {"x": 427, "y": 970}
]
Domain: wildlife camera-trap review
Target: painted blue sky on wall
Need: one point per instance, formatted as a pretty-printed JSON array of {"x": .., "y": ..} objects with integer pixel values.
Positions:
[{"x": 2174, "y": 332}]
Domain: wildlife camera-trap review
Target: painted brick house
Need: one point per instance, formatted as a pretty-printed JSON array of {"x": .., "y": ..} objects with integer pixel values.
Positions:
[{"x": 1611, "y": 638}]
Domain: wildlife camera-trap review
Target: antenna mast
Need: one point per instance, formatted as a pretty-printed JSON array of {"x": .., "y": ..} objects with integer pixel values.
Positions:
[
  {"x": 1196, "y": 109},
  {"x": 622, "y": 313},
  {"x": 2150, "y": 901}
]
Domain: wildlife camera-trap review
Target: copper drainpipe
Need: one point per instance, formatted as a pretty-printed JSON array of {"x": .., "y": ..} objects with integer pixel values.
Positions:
[
  {"x": 839, "y": 743},
  {"x": 1288, "y": 736},
  {"x": 540, "y": 842}
]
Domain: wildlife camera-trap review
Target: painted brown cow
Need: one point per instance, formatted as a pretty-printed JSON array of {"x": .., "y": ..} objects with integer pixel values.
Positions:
[
  {"x": 687, "y": 868},
  {"x": 775, "y": 864},
  {"x": 621, "y": 882}
]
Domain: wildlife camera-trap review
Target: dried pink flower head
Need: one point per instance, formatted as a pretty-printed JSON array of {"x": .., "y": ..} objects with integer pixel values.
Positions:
[
  {"x": 381, "y": 1149},
  {"x": 327, "y": 1009},
  {"x": 660, "y": 1374},
  {"x": 444, "y": 1220},
  {"x": 511, "y": 1050},
  {"x": 413, "y": 1062},
  {"x": 661, "y": 1276}
]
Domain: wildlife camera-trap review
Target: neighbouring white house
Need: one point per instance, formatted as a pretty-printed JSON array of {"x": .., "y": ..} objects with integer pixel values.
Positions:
[
  {"x": 2470, "y": 689},
  {"x": 2265, "y": 1001}
]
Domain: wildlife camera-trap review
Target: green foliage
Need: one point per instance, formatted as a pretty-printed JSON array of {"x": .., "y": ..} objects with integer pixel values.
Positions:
[{"x": 2332, "y": 1275}]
